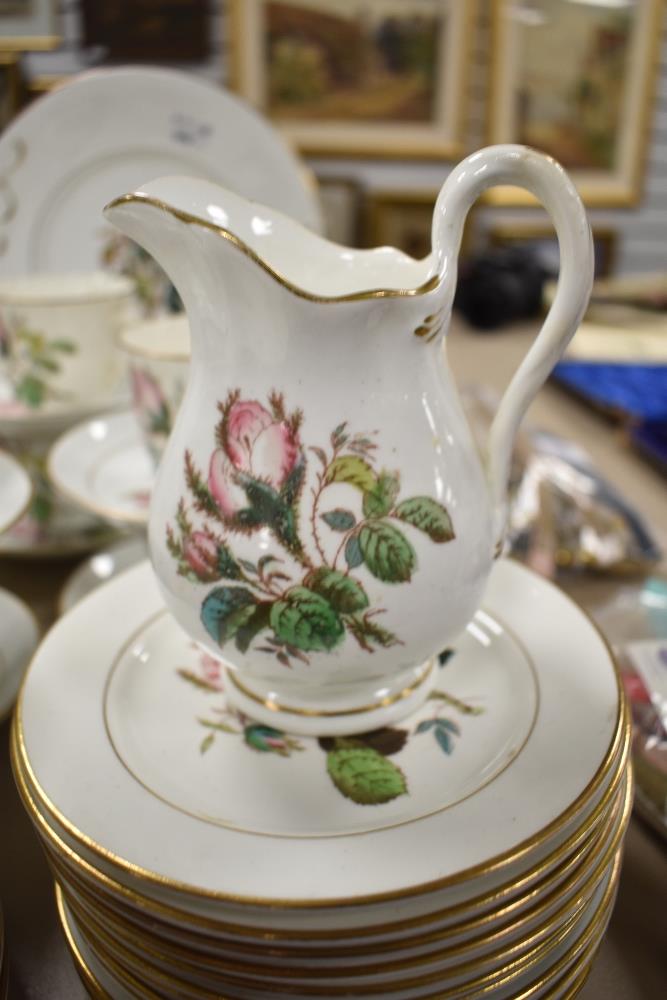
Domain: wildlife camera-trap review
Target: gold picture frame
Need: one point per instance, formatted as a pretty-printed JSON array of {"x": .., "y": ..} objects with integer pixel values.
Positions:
[
  {"x": 403, "y": 220},
  {"x": 576, "y": 80},
  {"x": 305, "y": 64},
  {"x": 10, "y": 87},
  {"x": 527, "y": 233},
  {"x": 29, "y": 25}
]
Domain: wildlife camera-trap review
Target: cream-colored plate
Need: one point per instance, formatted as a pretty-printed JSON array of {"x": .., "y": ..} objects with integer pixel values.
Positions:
[
  {"x": 15, "y": 490},
  {"x": 109, "y": 131},
  {"x": 494, "y": 942},
  {"x": 385, "y": 854},
  {"x": 104, "y": 467}
]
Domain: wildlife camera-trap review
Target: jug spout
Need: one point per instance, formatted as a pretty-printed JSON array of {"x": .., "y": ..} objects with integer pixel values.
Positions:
[{"x": 174, "y": 219}]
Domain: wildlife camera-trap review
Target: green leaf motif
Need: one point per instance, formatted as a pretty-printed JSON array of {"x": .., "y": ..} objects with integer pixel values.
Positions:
[
  {"x": 226, "y": 564},
  {"x": 353, "y": 554},
  {"x": 225, "y": 610},
  {"x": 339, "y": 519},
  {"x": 31, "y": 391},
  {"x": 258, "y": 620},
  {"x": 353, "y": 470},
  {"x": 306, "y": 620},
  {"x": 387, "y": 552},
  {"x": 380, "y": 500},
  {"x": 207, "y": 742},
  {"x": 64, "y": 346},
  {"x": 343, "y": 593},
  {"x": 428, "y": 516},
  {"x": 365, "y": 776}
]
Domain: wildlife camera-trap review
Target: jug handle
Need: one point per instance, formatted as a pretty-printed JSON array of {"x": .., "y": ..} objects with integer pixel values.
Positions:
[{"x": 542, "y": 176}]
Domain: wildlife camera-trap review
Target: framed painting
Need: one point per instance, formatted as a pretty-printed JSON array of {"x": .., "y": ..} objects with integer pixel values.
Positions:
[
  {"x": 148, "y": 30},
  {"x": 10, "y": 87},
  {"x": 575, "y": 78},
  {"x": 403, "y": 219},
  {"x": 381, "y": 78},
  {"x": 28, "y": 25},
  {"x": 541, "y": 239}
]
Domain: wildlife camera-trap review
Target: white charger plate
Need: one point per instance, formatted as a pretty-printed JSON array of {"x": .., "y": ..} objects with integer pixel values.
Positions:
[
  {"x": 104, "y": 467},
  {"x": 15, "y": 490},
  {"x": 19, "y": 635},
  {"x": 91, "y": 664},
  {"x": 107, "y": 132}
]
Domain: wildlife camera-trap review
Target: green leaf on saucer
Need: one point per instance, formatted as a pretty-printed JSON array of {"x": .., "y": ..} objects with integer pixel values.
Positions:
[
  {"x": 365, "y": 776},
  {"x": 306, "y": 620},
  {"x": 427, "y": 515},
  {"x": 387, "y": 552}
]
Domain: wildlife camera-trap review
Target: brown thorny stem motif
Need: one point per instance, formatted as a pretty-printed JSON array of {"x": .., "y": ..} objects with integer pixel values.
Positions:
[{"x": 297, "y": 600}]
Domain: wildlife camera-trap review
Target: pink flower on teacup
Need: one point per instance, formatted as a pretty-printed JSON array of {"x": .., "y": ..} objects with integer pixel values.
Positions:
[{"x": 257, "y": 446}]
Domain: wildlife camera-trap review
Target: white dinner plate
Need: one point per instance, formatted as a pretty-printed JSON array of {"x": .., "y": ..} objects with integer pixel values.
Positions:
[
  {"x": 283, "y": 816},
  {"x": 109, "y": 131}
]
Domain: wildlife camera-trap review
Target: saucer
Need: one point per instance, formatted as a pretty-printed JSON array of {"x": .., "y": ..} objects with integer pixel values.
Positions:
[
  {"x": 21, "y": 424},
  {"x": 308, "y": 828},
  {"x": 19, "y": 634},
  {"x": 104, "y": 466},
  {"x": 15, "y": 491},
  {"x": 101, "y": 567}
]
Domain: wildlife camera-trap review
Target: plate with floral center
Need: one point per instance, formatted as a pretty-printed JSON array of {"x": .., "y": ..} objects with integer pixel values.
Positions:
[{"x": 513, "y": 678}]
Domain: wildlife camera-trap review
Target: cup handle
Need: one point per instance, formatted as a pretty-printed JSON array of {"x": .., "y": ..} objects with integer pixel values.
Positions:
[{"x": 546, "y": 179}]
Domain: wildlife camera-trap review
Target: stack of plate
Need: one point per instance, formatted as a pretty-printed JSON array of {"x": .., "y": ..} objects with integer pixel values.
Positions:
[{"x": 473, "y": 850}]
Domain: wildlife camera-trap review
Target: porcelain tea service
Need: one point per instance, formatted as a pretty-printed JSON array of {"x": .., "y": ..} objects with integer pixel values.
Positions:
[
  {"x": 158, "y": 356},
  {"x": 321, "y": 519},
  {"x": 59, "y": 334}
]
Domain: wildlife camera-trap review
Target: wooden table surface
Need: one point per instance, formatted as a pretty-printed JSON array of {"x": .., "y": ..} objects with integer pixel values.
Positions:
[{"x": 632, "y": 962}]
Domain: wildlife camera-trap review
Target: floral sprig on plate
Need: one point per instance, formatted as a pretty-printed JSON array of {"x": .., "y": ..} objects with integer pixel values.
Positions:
[
  {"x": 359, "y": 766},
  {"x": 255, "y": 481}
]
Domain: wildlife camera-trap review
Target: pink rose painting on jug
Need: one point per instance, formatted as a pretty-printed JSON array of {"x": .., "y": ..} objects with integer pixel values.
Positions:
[{"x": 255, "y": 481}]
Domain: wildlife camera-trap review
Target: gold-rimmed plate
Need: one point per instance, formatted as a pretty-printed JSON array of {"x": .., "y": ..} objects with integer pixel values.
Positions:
[
  {"x": 492, "y": 948},
  {"x": 549, "y": 971},
  {"x": 513, "y": 907},
  {"x": 553, "y": 783}
]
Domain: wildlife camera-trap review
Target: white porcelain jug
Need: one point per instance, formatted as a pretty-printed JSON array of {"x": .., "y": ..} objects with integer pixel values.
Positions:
[{"x": 321, "y": 520}]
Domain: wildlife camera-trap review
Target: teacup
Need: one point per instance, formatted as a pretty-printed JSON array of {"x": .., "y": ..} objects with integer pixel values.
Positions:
[
  {"x": 158, "y": 354},
  {"x": 58, "y": 334}
]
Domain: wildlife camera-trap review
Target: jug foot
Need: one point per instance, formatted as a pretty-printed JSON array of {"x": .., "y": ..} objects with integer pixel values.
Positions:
[{"x": 362, "y": 708}]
